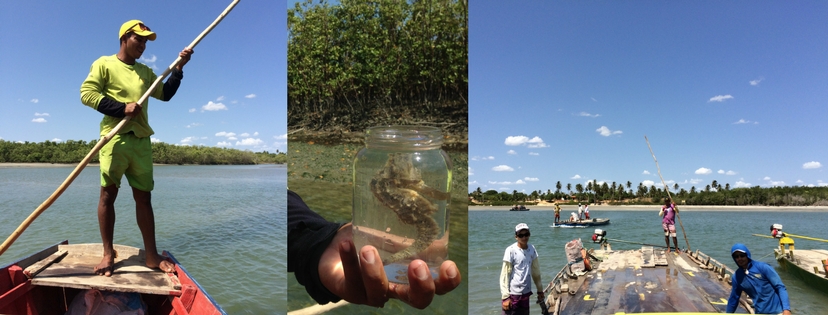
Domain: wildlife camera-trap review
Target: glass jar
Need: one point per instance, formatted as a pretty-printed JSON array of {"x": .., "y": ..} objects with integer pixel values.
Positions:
[{"x": 401, "y": 192}]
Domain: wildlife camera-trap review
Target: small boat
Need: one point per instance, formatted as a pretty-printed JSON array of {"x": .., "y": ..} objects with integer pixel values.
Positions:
[
  {"x": 645, "y": 280},
  {"x": 581, "y": 223},
  {"x": 810, "y": 265},
  {"x": 48, "y": 281},
  {"x": 520, "y": 208}
]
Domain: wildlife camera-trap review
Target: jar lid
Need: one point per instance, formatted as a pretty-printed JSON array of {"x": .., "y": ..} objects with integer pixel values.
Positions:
[{"x": 404, "y": 137}]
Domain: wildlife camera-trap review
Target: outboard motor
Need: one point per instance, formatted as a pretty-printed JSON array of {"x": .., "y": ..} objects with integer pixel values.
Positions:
[
  {"x": 599, "y": 236},
  {"x": 776, "y": 230}
]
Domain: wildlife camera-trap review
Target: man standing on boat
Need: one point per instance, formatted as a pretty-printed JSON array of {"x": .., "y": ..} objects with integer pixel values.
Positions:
[
  {"x": 557, "y": 212},
  {"x": 113, "y": 86},
  {"x": 586, "y": 211},
  {"x": 668, "y": 223},
  {"x": 760, "y": 282},
  {"x": 520, "y": 269}
]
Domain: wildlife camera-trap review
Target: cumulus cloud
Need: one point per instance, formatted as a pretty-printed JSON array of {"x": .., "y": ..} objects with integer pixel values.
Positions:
[
  {"x": 502, "y": 168},
  {"x": 585, "y": 114},
  {"x": 42, "y": 114},
  {"x": 250, "y": 141},
  {"x": 776, "y": 183},
  {"x": 811, "y": 165},
  {"x": 482, "y": 158},
  {"x": 695, "y": 181},
  {"x": 500, "y": 183},
  {"x": 250, "y": 96},
  {"x": 225, "y": 134},
  {"x": 57, "y": 140},
  {"x": 531, "y": 179},
  {"x": 188, "y": 140},
  {"x": 535, "y": 142},
  {"x": 742, "y": 121},
  {"x": 741, "y": 184},
  {"x": 520, "y": 182},
  {"x": 648, "y": 183},
  {"x": 576, "y": 177},
  {"x": 281, "y": 137},
  {"x": 726, "y": 173},
  {"x": 154, "y": 140},
  {"x": 766, "y": 178},
  {"x": 606, "y": 132},
  {"x": 703, "y": 171},
  {"x": 151, "y": 59},
  {"x": 244, "y": 134},
  {"x": 511, "y": 152},
  {"x": 534, "y": 153},
  {"x": 471, "y": 171},
  {"x": 720, "y": 98},
  {"x": 646, "y": 172},
  {"x": 756, "y": 82},
  {"x": 224, "y": 144},
  {"x": 192, "y": 110},
  {"x": 213, "y": 106},
  {"x": 220, "y": 98},
  {"x": 255, "y": 133},
  {"x": 34, "y": 100},
  {"x": 39, "y": 120}
]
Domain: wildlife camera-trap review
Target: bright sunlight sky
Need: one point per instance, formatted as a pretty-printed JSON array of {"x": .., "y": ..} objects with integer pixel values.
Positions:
[
  {"x": 234, "y": 91},
  {"x": 733, "y": 91}
]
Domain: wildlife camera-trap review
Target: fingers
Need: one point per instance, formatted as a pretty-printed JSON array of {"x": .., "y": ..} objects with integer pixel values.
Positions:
[
  {"x": 448, "y": 277},
  {"x": 353, "y": 276},
  {"x": 420, "y": 289},
  {"x": 373, "y": 277}
]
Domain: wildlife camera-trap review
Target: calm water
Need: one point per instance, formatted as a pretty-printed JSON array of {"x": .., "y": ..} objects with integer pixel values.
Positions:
[
  {"x": 333, "y": 201},
  {"x": 225, "y": 224},
  {"x": 490, "y": 232}
]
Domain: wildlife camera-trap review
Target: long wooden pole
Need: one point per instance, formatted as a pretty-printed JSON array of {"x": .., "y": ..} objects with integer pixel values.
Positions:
[
  {"x": 105, "y": 139},
  {"x": 668, "y": 192}
]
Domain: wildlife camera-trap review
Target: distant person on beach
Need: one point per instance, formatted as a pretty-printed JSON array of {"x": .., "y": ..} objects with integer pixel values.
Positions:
[
  {"x": 520, "y": 269},
  {"x": 668, "y": 223},
  {"x": 586, "y": 211},
  {"x": 114, "y": 84},
  {"x": 557, "y": 212},
  {"x": 322, "y": 256},
  {"x": 761, "y": 283}
]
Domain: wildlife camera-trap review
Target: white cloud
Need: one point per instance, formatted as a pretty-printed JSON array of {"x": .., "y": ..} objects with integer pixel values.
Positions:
[
  {"x": 756, "y": 82},
  {"x": 534, "y": 153},
  {"x": 593, "y": 99},
  {"x": 42, "y": 114},
  {"x": 471, "y": 171},
  {"x": 220, "y": 98},
  {"x": 192, "y": 110},
  {"x": 281, "y": 137},
  {"x": 520, "y": 182},
  {"x": 39, "y": 120},
  {"x": 740, "y": 184},
  {"x": 34, "y": 100},
  {"x": 250, "y": 141},
  {"x": 535, "y": 142},
  {"x": 766, "y": 178},
  {"x": 154, "y": 140},
  {"x": 477, "y": 158},
  {"x": 648, "y": 183},
  {"x": 531, "y": 179},
  {"x": 585, "y": 114},
  {"x": 193, "y": 125},
  {"x": 255, "y": 133},
  {"x": 213, "y": 106},
  {"x": 57, "y": 140},
  {"x": 224, "y": 144},
  {"x": 512, "y": 152},
  {"x": 250, "y": 96},
  {"x": 244, "y": 134},
  {"x": 720, "y": 98},
  {"x": 232, "y": 138},
  {"x": 225, "y": 134},
  {"x": 726, "y": 173},
  {"x": 576, "y": 177},
  {"x": 703, "y": 171},
  {"x": 188, "y": 140},
  {"x": 811, "y": 165},
  {"x": 646, "y": 172},
  {"x": 472, "y": 183},
  {"x": 151, "y": 59},
  {"x": 606, "y": 132},
  {"x": 742, "y": 121},
  {"x": 502, "y": 168},
  {"x": 776, "y": 183},
  {"x": 695, "y": 181}
]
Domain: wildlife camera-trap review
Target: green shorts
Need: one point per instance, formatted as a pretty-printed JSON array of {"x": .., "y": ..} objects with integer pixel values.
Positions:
[{"x": 127, "y": 155}]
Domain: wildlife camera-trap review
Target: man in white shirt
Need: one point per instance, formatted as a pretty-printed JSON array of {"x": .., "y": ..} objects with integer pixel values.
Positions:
[{"x": 520, "y": 269}]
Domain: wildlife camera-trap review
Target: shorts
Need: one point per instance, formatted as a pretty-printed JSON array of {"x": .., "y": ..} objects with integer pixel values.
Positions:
[
  {"x": 519, "y": 305},
  {"x": 670, "y": 227},
  {"x": 126, "y": 154}
]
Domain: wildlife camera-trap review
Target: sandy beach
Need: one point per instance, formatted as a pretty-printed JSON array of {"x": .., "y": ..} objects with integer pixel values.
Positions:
[
  {"x": 30, "y": 165},
  {"x": 592, "y": 208}
]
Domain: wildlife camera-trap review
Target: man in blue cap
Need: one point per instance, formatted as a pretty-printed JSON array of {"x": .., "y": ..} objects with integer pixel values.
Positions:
[{"x": 760, "y": 282}]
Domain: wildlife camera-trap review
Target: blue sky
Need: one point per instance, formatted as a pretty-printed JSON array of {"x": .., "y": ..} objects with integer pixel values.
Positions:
[
  {"x": 233, "y": 93},
  {"x": 733, "y": 91}
]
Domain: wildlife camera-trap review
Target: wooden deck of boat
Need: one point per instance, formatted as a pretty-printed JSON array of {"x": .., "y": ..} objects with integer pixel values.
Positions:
[
  {"x": 806, "y": 264},
  {"x": 72, "y": 267},
  {"x": 644, "y": 281}
]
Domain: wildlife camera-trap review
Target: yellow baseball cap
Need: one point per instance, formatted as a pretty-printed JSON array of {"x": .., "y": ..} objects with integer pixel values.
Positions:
[{"x": 137, "y": 27}]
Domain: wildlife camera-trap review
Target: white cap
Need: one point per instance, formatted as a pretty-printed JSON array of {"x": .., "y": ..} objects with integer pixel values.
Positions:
[{"x": 521, "y": 226}]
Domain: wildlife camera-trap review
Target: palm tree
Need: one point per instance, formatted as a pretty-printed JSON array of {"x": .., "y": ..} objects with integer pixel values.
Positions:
[
  {"x": 558, "y": 186},
  {"x": 676, "y": 187},
  {"x": 569, "y": 188},
  {"x": 580, "y": 189},
  {"x": 715, "y": 185}
]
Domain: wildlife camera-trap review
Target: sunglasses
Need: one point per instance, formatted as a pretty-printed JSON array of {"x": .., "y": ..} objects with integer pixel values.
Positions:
[
  {"x": 522, "y": 235},
  {"x": 141, "y": 26},
  {"x": 739, "y": 255}
]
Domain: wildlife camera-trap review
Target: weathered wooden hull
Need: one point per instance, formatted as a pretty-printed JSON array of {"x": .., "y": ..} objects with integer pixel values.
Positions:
[
  {"x": 582, "y": 224},
  {"x": 643, "y": 281},
  {"x": 47, "y": 282},
  {"x": 802, "y": 266}
]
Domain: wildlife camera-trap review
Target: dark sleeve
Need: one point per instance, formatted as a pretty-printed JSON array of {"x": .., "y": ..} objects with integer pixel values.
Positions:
[
  {"x": 171, "y": 86},
  {"x": 111, "y": 107},
  {"x": 308, "y": 236}
]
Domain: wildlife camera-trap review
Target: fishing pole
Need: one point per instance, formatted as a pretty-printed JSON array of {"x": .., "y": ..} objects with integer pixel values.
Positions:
[
  {"x": 668, "y": 193},
  {"x": 105, "y": 139}
]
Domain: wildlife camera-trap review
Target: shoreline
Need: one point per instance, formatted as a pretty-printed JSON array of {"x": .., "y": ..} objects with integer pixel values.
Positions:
[{"x": 571, "y": 208}]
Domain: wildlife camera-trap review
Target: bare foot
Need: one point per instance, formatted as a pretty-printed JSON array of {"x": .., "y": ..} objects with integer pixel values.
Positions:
[
  {"x": 106, "y": 266},
  {"x": 156, "y": 261},
  {"x": 668, "y": 249}
]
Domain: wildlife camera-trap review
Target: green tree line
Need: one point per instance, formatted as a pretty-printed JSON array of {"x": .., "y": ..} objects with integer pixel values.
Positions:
[
  {"x": 625, "y": 193},
  {"x": 73, "y": 151},
  {"x": 358, "y": 64}
]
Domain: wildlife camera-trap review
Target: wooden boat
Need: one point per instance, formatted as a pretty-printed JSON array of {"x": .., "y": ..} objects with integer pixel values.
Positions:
[
  {"x": 646, "y": 280},
  {"x": 809, "y": 265},
  {"x": 48, "y": 281},
  {"x": 581, "y": 223},
  {"x": 521, "y": 208}
]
